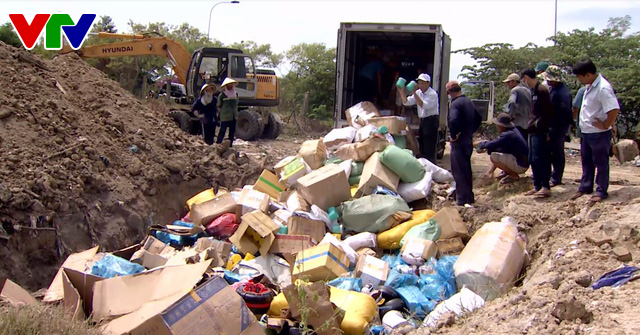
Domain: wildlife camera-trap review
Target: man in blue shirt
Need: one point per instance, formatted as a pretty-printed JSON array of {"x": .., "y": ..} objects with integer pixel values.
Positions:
[
  {"x": 560, "y": 121},
  {"x": 509, "y": 152}
]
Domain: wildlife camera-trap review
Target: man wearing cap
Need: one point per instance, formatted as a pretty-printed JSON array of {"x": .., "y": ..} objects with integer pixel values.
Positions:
[
  {"x": 519, "y": 104},
  {"x": 560, "y": 122},
  {"x": 228, "y": 106},
  {"x": 538, "y": 128},
  {"x": 541, "y": 72},
  {"x": 598, "y": 114},
  {"x": 509, "y": 152},
  {"x": 206, "y": 110},
  {"x": 426, "y": 100},
  {"x": 464, "y": 120}
]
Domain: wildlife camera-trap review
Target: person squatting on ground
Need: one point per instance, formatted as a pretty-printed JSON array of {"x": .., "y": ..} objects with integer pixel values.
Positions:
[
  {"x": 519, "y": 104},
  {"x": 228, "y": 107},
  {"x": 538, "y": 127},
  {"x": 426, "y": 100},
  {"x": 508, "y": 152},
  {"x": 207, "y": 111},
  {"x": 597, "y": 115},
  {"x": 464, "y": 120},
  {"x": 560, "y": 122}
]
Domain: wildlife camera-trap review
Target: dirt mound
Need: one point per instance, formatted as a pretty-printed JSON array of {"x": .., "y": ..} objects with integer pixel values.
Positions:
[{"x": 86, "y": 163}]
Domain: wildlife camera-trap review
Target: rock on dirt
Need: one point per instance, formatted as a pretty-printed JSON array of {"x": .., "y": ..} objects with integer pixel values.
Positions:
[
  {"x": 622, "y": 254},
  {"x": 570, "y": 309}
]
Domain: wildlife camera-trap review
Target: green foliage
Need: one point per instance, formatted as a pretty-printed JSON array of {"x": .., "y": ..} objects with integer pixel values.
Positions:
[
  {"x": 615, "y": 52},
  {"x": 9, "y": 36}
]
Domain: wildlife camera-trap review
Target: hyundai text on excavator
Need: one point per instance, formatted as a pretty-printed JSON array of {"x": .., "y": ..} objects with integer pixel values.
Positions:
[{"x": 257, "y": 90}]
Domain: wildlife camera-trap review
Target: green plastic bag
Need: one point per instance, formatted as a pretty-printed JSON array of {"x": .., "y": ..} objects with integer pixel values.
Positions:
[
  {"x": 354, "y": 180},
  {"x": 403, "y": 164},
  {"x": 401, "y": 141},
  {"x": 429, "y": 230},
  {"x": 356, "y": 168},
  {"x": 333, "y": 160},
  {"x": 373, "y": 213}
]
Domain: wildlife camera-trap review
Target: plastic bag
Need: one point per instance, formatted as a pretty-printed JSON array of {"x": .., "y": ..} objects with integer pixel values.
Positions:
[
  {"x": 362, "y": 240},
  {"x": 339, "y": 137},
  {"x": 373, "y": 213},
  {"x": 416, "y": 191},
  {"x": 222, "y": 227},
  {"x": 365, "y": 132},
  {"x": 275, "y": 268},
  {"x": 391, "y": 238},
  {"x": 354, "y": 180},
  {"x": 347, "y": 283},
  {"x": 356, "y": 168},
  {"x": 464, "y": 302},
  {"x": 177, "y": 240},
  {"x": 395, "y": 279},
  {"x": 440, "y": 175},
  {"x": 402, "y": 163},
  {"x": 384, "y": 190},
  {"x": 429, "y": 230},
  {"x": 113, "y": 266},
  {"x": 400, "y": 141},
  {"x": 437, "y": 279},
  {"x": 416, "y": 302}
]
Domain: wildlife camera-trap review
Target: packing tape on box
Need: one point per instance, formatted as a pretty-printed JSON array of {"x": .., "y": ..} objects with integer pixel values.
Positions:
[
  {"x": 270, "y": 184},
  {"x": 326, "y": 253}
]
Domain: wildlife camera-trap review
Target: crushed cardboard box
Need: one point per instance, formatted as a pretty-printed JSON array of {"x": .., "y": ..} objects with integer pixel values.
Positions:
[
  {"x": 451, "y": 224},
  {"x": 294, "y": 201},
  {"x": 416, "y": 250},
  {"x": 302, "y": 226},
  {"x": 255, "y": 233},
  {"x": 77, "y": 261},
  {"x": 251, "y": 200},
  {"x": 15, "y": 294},
  {"x": 371, "y": 270},
  {"x": 281, "y": 216},
  {"x": 326, "y": 187},
  {"x": 291, "y": 244},
  {"x": 205, "y": 212},
  {"x": 314, "y": 153},
  {"x": 376, "y": 174},
  {"x": 360, "y": 152}
]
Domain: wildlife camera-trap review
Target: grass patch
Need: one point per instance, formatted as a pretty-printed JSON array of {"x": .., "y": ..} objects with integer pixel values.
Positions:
[{"x": 41, "y": 319}]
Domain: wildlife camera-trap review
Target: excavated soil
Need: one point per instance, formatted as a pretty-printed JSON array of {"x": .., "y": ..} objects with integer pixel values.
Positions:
[{"x": 85, "y": 163}]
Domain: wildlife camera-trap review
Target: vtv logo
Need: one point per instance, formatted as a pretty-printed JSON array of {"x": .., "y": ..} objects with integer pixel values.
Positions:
[{"x": 52, "y": 24}]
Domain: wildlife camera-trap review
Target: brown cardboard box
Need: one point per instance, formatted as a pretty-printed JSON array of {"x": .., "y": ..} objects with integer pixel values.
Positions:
[
  {"x": 205, "y": 212},
  {"x": 326, "y": 187},
  {"x": 412, "y": 142},
  {"x": 314, "y": 153},
  {"x": 395, "y": 125},
  {"x": 360, "y": 112},
  {"x": 281, "y": 217},
  {"x": 324, "y": 317},
  {"x": 452, "y": 246},
  {"x": 451, "y": 224},
  {"x": 293, "y": 171},
  {"x": 218, "y": 251},
  {"x": 255, "y": 233},
  {"x": 212, "y": 308},
  {"x": 360, "y": 152},
  {"x": 15, "y": 294},
  {"x": 270, "y": 184},
  {"x": 148, "y": 260},
  {"x": 78, "y": 291},
  {"x": 251, "y": 200},
  {"x": 290, "y": 244},
  {"x": 281, "y": 164},
  {"x": 375, "y": 174},
  {"x": 416, "y": 250},
  {"x": 294, "y": 202},
  {"x": 298, "y": 225},
  {"x": 371, "y": 270},
  {"x": 322, "y": 262},
  {"x": 78, "y": 262}
]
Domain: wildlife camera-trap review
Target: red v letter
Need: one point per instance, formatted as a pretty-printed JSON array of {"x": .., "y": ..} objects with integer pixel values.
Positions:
[{"x": 29, "y": 33}]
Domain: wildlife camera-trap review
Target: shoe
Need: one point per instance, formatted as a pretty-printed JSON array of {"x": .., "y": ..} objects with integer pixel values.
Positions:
[
  {"x": 543, "y": 193},
  {"x": 595, "y": 198},
  {"x": 576, "y": 195}
]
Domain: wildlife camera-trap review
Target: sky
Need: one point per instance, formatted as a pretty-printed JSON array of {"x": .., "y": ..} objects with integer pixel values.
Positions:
[{"x": 283, "y": 24}]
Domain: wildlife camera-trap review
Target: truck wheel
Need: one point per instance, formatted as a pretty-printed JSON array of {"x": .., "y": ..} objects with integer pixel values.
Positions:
[
  {"x": 273, "y": 128},
  {"x": 249, "y": 125},
  {"x": 182, "y": 119}
]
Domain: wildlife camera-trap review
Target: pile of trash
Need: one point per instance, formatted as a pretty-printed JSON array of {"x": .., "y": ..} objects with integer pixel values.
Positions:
[{"x": 329, "y": 241}]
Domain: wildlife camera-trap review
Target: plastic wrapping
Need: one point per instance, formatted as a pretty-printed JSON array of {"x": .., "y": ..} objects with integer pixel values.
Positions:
[
  {"x": 416, "y": 302},
  {"x": 113, "y": 266},
  {"x": 372, "y": 213},
  {"x": 402, "y": 163},
  {"x": 429, "y": 230},
  {"x": 347, "y": 283},
  {"x": 222, "y": 227},
  {"x": 437, "y": 278}
]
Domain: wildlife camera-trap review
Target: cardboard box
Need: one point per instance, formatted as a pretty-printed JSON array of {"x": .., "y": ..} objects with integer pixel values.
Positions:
[
  {"x": 326, "y": 187},
  {"x": 294, "y": 201},
  {"x": 15, "y": 294},
  {"x": 375, "y": 174},
  {"x": 218, "y": 251},
  {"x": 251, "y": 200},
  {"x": 212, "y": 308},
  {"x": 78, "y": 292},
  {"x": 281, "y": 217},
  {"x": 322, "y": 262},
  {"x": 451, "y": 224},
  {"x": 78, "y": 262},
  {"x": 302, "y": 226},
  {"x": 205, "y": 212},
  {"x": 416, "y": 250},
  {"x": 118, "y": 296},
  {"x": 372, "y": 270},
  {"x": 148, "y": 260},
  {"x": 294, "y": 171},
  {"x": 291, "y": 244},
  {"x": 255, "y": 233},
  {"x": 360, "y": 152},
  {"x": 270, "y": 184},
  {"x": 325, "y": 317},
  {"x": 452, "y": 246},
  {"x": 358, "y": 114},
  {"x": 281, "y": 164},
  {"x": 201, "y": 197},
  {"x": 396, "y": 125},
  {"x": 314, "y": 153}
]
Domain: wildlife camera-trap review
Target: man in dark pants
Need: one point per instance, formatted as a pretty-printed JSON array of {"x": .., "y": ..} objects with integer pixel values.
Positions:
[
  {"x": 206, "y": 110},
  {"x": 464, "y": 120},
  {"x": 426, "y": 100},
  {"x": 519, "y": 104},
  {"x": 538, "y": 127},
  {"x": 599, "y": 111},
  {"x": 560, "y": 122}
]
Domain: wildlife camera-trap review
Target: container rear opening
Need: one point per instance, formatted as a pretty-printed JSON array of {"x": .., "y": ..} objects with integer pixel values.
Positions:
[{"x": 396, "y": 54}]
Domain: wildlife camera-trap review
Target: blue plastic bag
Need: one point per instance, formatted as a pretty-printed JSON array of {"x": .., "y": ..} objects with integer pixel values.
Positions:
[
  {"x": 113, "y": 266},
  {"x": 347, "y": 283},
  {"x": 177, "y": 240},
  {"x": 440, "y": 283},
  {"x": 397, "y": 279},
  {"x": 417, "y": 303},
  {"x": 616, "y": 278},
  {"x": 385, "y": 191}
]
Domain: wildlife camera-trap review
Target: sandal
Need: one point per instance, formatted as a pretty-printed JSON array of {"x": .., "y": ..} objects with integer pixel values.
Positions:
[
  {"x": 531, "y": 192},
  {"x": 596, "y": 198},
  {"x": 576, "y": 195},
  {"x": 508, "y": 180},
  {"x": 543, "y": 193}
]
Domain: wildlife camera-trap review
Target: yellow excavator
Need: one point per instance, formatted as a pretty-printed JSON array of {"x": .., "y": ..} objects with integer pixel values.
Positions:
[{"x": 258, "y": 89}]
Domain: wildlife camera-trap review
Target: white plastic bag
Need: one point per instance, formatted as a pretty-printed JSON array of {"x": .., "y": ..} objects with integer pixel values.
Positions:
[
  {"x": 339, "y": 137},
  {"x": 416, "y": 191},
  {"x": 351, "y": 254},
  {"x": 362, "y": 240},
  {"x": 440, "y": 175},
  {"x": 462, "y": 302},
  {"x": 365, "y": 132},
  {"x": 275, "y": 268}
]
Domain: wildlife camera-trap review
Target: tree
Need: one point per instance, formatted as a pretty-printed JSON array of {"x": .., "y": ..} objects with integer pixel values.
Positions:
[
  {"x": 261, "y": 53},
  {"x": 105, "y": 25},
  {"x": 9, "y": 36}
]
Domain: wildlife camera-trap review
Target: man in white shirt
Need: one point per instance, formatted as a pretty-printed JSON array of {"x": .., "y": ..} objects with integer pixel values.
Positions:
[
  {"x": 426, "y": 100},
  {"x": 598, "y": 113}
]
